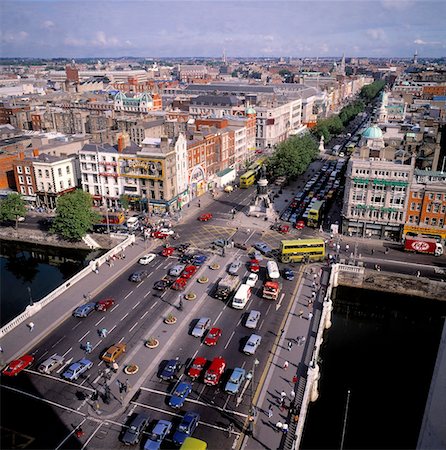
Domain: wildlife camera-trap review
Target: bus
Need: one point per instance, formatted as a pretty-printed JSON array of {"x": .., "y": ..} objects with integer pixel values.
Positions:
[
  {"x": 350, "y": 148},
  {"x": 272, "y": 269},
  {"x": 191, "y": 443},
  {"x": 257, "y": 165},
  {"x": 247, "y": 179},
  {"x": 315, "y": 215},
  {"x": 297, "y": 250},
  {"x": 335, "y": 150}
]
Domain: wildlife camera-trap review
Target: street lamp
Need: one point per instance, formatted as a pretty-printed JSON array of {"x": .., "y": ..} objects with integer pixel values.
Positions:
[
  {"x": 250, "y": 376},
  {"x": 31, "y": 302}
]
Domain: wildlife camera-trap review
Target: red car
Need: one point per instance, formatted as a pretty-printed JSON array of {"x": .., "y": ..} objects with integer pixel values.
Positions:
[
  {"x": 179, "y": 284},
  {"x": 197, "y": 367},
  {"x": 215, "y": 371},
  {"x": 168, "y": 251},
  {"x": 213, "y": 336},
  {"x": 300, "y": 225},
  {"x": 205, "y": 217},
  {"x": 16, "y": 366},
  {"x": 254, "y": 266},
  {"x": 160, "y": 235},
  {"x": 105, "y": 304},
  {"x": 189, "y": 272}
]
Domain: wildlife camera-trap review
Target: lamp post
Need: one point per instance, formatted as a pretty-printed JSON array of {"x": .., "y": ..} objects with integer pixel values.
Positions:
[
  {"x": 252, "y": 409},
  {"x": 31, "y": 302}
]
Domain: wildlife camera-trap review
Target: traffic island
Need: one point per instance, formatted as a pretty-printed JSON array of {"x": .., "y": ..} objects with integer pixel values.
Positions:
[
  {"x": 203, "y": 280},
  {"x": 152, "y": 342},
  {"x": 190, "y": 296},
  {"x": 131, "y": 369},
  {"x": 214, "y": 266},
  {"x": 170, "y": 319}
]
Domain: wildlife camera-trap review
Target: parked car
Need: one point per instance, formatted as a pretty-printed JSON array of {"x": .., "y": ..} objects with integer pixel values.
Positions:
[
  {"x": 256, "y": 255},
  {"x": 167, "y": 251},
  {"x": 205, "y": 217},
  {"x": 161, "y": 285},
  {"x": 113, "y": 353},
  {"x": 84, "y": 310},
  {"x": 252, "y": 344},
  {"x": 213, "y": 336},
  {"x": 201, "y": 327},
  {"x": 160, "y": 431},
  {"x": 253, "y": 319},
  {"x": 160, "y": 235},
  {"x": 220, "y": 243},
  {"x": 138, "y": 276},
  {"x": 77, "y": 369},
  {"x": 215, "y": 371},
  {"x": 288, "y": 274},
  {"x": 189, "y": 271},
  {"x": 146, "y": 259},
  {"x": 262, "y": 247},
  {"x": 176, "y": 270},
  {"x": 234, "y": 267},
  {"x": 180, "y": 394},
  {"x": 240, "y": 246},
  {"x": 134, "y": 431},
  {"x": 197, "y": 367},
  {"x": 199, "y": 260},
  {"x": 235, "y": 381},
  {"x": 252, "y": 279},
  {"x": 17, "y": 365},
  {"x": 186, "y": 427},
  {"x": 104, "y": 304},
  {"x": 254, "y": 266},
  {"x": 171, "y": 369},
  {"x": 300, "y": 225},
  {"x": 52, "y": 363},
  {"x": 167, "y": 231},
  {"x": 179, "y": 284}
]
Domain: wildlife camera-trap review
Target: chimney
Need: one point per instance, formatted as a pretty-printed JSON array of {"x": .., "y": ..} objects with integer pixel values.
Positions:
[
  {"x": 120, "y": 144},
  {"x": 164, "y": 144},
  {"x": 22, "y": 155},
  {"x": 36, "y": 152}
]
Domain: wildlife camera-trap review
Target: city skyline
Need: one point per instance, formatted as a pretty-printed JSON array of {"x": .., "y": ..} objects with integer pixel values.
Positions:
[{"x": 381, "y": 28}]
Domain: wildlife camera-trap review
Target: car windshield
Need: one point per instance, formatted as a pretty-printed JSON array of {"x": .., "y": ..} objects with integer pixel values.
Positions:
[
  {"x": 197, "y": 366},
  {"x": 155, "y": 437},
  {"x": 235, "y": 378},
  {"x": 184, "y": 427}
]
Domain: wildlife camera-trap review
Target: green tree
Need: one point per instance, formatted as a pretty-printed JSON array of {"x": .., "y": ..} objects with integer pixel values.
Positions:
[
  {"x": 370, "y": 91},
  {"x": 12, "y": 207},
  {"x": 125, "y": 201},
  {"x": 74, "y": 215}
]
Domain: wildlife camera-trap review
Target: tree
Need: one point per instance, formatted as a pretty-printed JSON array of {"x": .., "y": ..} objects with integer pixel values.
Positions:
[
  {"x": 125, "y": 201},
  {"x": 12, "y": 208},
  {"x": 370, "y": 91},
  {"x": 74, "y": 215}
]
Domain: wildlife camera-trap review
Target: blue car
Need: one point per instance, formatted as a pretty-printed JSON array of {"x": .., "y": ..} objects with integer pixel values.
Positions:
[
  {"x": 84, "y": 310},
  {"x": 160, "y": 431},
  {"x": 199, "y": 260},
  {"x": 186, "y": 428},
  {"x": 288, "y": 274},
  {"x": 180, "y": 394},
  {"x": 262, "y": 247},
  {"x": 76, "y": 369},
  {"x": 235, "y": 381},
  {"x": 170, "y": 369}
]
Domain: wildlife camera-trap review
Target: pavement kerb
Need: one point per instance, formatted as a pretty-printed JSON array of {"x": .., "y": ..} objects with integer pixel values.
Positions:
[{"x": 241, "y": 443}]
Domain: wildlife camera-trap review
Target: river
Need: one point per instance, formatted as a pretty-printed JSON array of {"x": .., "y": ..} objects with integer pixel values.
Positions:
[{"x": 381, "y": 347}]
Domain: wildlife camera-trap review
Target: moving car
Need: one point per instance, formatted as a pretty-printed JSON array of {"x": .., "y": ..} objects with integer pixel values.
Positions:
[
  {"x": 161, "y": 285},
  {"x": 172, "y": 367},
  {"x": 197, "y": 367},
  {"x": 167, "y": 251},
  {"x": 234, "y": 267},
  {"x": 138, "y": 276},
  {"x": 254, "y": 266},
  {"x": 215, "y": 371},
  {"x": 167, "y": 231},
  {"x": 186, "y": 427},
  {"x": 220, "y": 242},
  {"x": 201, "y": 327},
  {"x": 205, "y": 217},
  {"x": 160, "y": 235},
  {"x": 213, "y": 336},
  {"x": 105, "y": 304},
  {"x": 262, "y": 247},
  {"x": 253, "y": 319},
  {"x": 179, "y": 284},
  {"x": 160, "y": 431},
  {"x": 113, "y": 353},
  {"x": 77, "y": 369},
  {"x": 146, "y": 259},
  {"x": 176, "y": 270},
  {"x": 135, "y": 429},
  {"x": 180, "y": 394},
  {"x": 17, "y": 365},
  {"x": 238, "y": 375},
  {"x": 240, "y": 246},
  {"x": 252, "y": 344},
  {"x": 252, "y": 279},
  {"x": 300, "y": 225},
  {"x": 288, "y": 274},
  {"x": 84, "y": 310},
  {"x": 52, "y": 363}
]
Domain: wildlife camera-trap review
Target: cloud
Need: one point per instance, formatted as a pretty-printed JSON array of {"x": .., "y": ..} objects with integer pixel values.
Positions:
[
  {"x": 377, "y": 34},
  {"x": 48, "y": 24},
  {"x": 100, "y": 40},
  {"x": 422, "y": 42},
  {"x": 398, "y": 5},
  {"x": 11, "y": 37}
]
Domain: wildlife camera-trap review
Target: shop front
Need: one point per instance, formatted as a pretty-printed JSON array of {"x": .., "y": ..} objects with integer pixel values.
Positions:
[{"x": 197, "y": 182}]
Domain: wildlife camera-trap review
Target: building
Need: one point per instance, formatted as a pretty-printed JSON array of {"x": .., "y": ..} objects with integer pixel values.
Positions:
[
  {"x": 138, "y": 103},
  {"x": 215, "y": 106},
  {"x": 25, "y": 178}
]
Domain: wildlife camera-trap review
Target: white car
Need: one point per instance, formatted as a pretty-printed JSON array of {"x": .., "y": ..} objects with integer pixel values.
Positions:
[
  {"x": 252, "y": 344},
  {"x": 252, "y": 319},
  {"x": 168, "y": 231},
  {"x": 252, "y": 279},
  {"x": 146, "y": 259}
]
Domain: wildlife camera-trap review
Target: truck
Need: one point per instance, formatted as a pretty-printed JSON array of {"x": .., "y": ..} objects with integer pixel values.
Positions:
[
  {"x": 112, "y": 218},
  {"x": 422, "y": 244},
  {"x": 271, "y": 290},
  {"x": 226, "y": 286}
]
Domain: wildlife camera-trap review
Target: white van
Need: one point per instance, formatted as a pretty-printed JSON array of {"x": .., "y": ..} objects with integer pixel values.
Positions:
[
  {"x": 132, "y": 223},
  {"x": 273, "y": 270},
  {"x": 241, "y": 297}
]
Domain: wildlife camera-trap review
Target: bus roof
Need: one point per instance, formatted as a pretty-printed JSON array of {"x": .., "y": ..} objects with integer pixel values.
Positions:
[
  {"x": 303, "y": 241},
  {"x": 317, "y": 205},
  {"x": 191, "y": 443},
  {"x": 248, "y": 174}
]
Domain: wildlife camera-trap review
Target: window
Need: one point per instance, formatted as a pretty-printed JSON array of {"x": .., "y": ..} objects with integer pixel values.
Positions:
[
  {"x": 434, "y": 221},
  {"x": 21, "y": 179},
  {"x": 39, "y": 172},
  {"x": 59, "y": 171},
  {"x": 68, "y": 170},
  {"x": 19, "y": 169},
  {"x": 429, "y": 207},
  {"x": 438, "y": 196},
  {"x": 69, "y": 182},
  {"x": 61, "y": 184},
  {"x": 412, "y": 206},
  {"x": 30, "y": 190},
  {"x": 441, "y": 223},
  {"x": 28, "y": 180},
  {"x": 436, "y": 207},
  {"x": 23, "y": 189},
  {"x": 47, "y": 173},
  {"x": 27, "y": 169}
]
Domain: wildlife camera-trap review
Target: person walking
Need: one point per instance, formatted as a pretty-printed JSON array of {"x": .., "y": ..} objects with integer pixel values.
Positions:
[
  {"x": 279, "y": 426},
  {"x": 301, "y": 313},
  {"x": 230, "y": 429},
  {"x": 285, "y": 365},
  {"x": 88, "y": 347},
  {"x": 294, "y": 379},
  {"x": 282, "y": 395},
  {"x": 103, "y": 332},
  {"x": 31, "y": 326},
  {"x": 290, "y": 345},
  {"x": 347, "y": 247},
  {"x": 1, "y": 349},
  {"x": 310, "y": 316},
  {"x": 285, "y": 428},
  {"x": 270, "y": 411},
  {"x": 292, "y": 394}
]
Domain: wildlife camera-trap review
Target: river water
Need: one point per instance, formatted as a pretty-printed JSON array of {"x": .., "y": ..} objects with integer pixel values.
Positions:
[
  {"x": 381, "y": 347},
  {"x": 30, "y": 272}
]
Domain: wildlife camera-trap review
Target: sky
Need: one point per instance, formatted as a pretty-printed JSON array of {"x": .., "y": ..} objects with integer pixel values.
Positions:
[{"x": 164, "y": 28}]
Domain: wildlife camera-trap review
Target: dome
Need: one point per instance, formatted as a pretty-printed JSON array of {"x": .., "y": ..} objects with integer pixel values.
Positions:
[
  {"x": 373, "y": 132},
  {"x": 250, "y": 111}
]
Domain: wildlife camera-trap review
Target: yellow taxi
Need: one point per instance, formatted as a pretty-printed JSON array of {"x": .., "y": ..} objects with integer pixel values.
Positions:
[{"x": 113, "y": 353}]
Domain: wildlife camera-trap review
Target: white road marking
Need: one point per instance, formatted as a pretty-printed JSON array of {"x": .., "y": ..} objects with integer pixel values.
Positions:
[
  {"x": 128, "y": 295},
  {"x": 279, "y": 303},
  {"x": 131, "y": 329},
  {"x": 125, "y": 315},
  {"x": 97, "y": 323},
  {"x": 83, "y": 336},
  {"x": 92, "y": 435},
  {"x": 267, "y": 311},
  {"x": 86, "y": 381},
  {"x": 96, "y": 379},
  {"x": 261, "y": 323},
  {"x": 218, "y": 317},
  {"x": 114, "y": 307},
  {"x": 109, "y": 331},
  {"x": 201, "y": 392},
  {"x": 136, "y": 305},
  {"x": 145, "y": 314},
  {"x": 120, "y": 340},
  {"x": 159, "y": 265},
  {"x": 68, "y": 351},
  {"x": 69, "y": 435},
  {"x": 43, "y": 354},
  {"x": 139, "y": 284},
  {"x": 153, "y": 306},
  {"x": 147, "y": 294},
  {"x": 61, "y": 339},
  {"x": 100, "y": 340},
  {"x": 67, "y": 363},
  {"x": 226, "y": 346},
  {"x": 194, "y": 355},
  {"x": 76, "y": 325}
]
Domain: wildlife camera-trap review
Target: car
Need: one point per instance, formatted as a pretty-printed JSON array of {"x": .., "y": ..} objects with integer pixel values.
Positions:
[
  {"x": 262, "y": 247},
  {"x": 189, "y": 271},
  {"x": 300, "y": 225},
  {"x": 136, "y": 427},
  {"x": 167, "y": 231},
  {"x": 52, "y": 363},
  {"x": 76, "y": 369},
  {"x": 256, "y": 255},
  {"x": 215, "y": 371},
  {"x": 183, "y": 247},
  {"x": 138, "y": 276},
  {"x": 167, "y": 251},
  {"x": 213, "y": 336},
  {"x": 186, "y": 427},
  {"x": 20, "y": 219},
  {"x": 205, "y": 217},
  {"x": 235, "y": 381},
  {"x": 161, "y": 285},
  {"x": 84, "y": 310},
  {"x": 228, "y": 189},
  {"x": 179, "y": 284},
  {"x": 160, "y": 431},
  {"x": 180, "y": 394},
  {"x": 201, "y": 326},
  {"x": 288, "y": 274},
  {"x": 199, "y": 260},
  {"x": 104, "y": 304},
  {"x": 234, "y": 267},
  {"x": 254, "y": 266},
  {"x": 113, "y": 353},
  {"x": 197, "y": 367},
  {"x": 17, "y": 365},
  {"x": 147, "y": 259},
  {"x": 220, "y": 243},
  {"x": 252, "y": 344},
  {"x": 176, "y": 270},
  {"x": 253, "y": 319},
  {"x": 160, "y": 235},
  {"x": 240, "y": 246},
  {"x": 170, "y": 370},
  {"x": 252, "y": 279}
]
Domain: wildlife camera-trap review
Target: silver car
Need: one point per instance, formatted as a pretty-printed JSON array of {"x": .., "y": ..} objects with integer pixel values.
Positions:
[
  {"x": 252, "y": 344},
  {"x": 175, "y": 271},
  {"x": 201, "y": 327},
  {"x": 52, "y": 363},
  {"x": 234, "y": 267},
  {"x": 253, "y": 319}
]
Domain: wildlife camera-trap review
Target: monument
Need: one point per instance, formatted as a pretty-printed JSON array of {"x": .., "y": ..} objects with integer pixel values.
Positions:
[{"x": 262, "y": 205}]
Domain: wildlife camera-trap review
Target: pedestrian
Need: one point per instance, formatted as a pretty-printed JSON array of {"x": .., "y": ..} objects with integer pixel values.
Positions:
[
  {"x": 270, "y": 411},
  {"x": 88, "y": 347},
  {"x": 279, "y": 426},
  {"x": 282, "y": 395},
  {"x": 418, "y": 274},
  {"x": 301, "y": 340},
  {"x": 315, "y": 277},
  {"x": 290, "y": 345},
  {"x": 285, "y": 428},
  {"x": 301, "y": 313},
  {"x": 310, "y": 316},
  {"x": 103, "y": 332},
  {"x": 313, "y": 294},
  {"x": 282, "y": 404},
  {"x": 282, "y": 331},
  {"x": 373, "y": 251},
  {"x": 31, "y": 326},
  {"x": 386, "y": 250},
  {"x": 292, "y": 394},
  {"x": 346, "y": 248},
  {"x": 1, "y": 349},
  {"x": 79, "y": 432},
  {"x": 313, "y": 284},
  {"x": 294, "y": 380},
  {"x": 285, "y": 365},
  {"x": 230, "y": 429}
]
